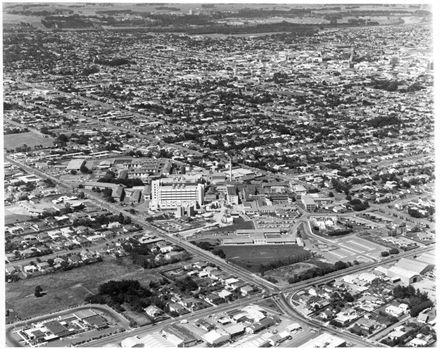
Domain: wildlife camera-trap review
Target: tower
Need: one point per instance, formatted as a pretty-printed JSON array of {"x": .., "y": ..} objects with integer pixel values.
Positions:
[
  {"x": 230, "y": 169},
  {"x": 351, "y": 62}
]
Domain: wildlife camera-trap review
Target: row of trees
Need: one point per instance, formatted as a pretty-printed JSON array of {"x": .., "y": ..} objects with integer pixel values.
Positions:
[
  {"x": 101, "y": 220},
  {"x": 321, "y": 270}
]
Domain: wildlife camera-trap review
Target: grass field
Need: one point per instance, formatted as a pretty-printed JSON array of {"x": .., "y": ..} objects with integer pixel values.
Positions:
[
  {"x": 31, "y": 139},
  {"x": 69, "y": 288},
  {"x": 15, "y": 213},
  {"x": 252, "y": 256},
  {"x": 283, "y": 274}
]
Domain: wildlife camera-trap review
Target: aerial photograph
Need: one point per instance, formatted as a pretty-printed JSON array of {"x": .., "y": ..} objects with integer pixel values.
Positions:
[{"x": 219, "y": 174}]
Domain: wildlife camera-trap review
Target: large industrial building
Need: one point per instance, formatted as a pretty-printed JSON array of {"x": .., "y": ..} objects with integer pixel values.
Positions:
[{"x": 170, "y": 193}]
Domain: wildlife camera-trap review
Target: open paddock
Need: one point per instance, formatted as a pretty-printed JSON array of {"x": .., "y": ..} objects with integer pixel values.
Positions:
[
  {"x": 70, "y": 288},
  {"x": 31, "y": 139}
]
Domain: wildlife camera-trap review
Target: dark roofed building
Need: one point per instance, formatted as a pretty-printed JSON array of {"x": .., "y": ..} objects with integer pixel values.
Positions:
[
  {"x": 56, "y": 328},
  {"x": 96, "y": 321}
]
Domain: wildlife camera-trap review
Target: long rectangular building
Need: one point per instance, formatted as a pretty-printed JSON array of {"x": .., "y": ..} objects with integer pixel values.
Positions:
[{"x": 259, "y": 237}]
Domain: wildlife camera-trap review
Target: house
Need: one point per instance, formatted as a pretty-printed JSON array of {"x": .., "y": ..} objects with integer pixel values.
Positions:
[
  {"x": 43, "y": 266},
  {"x": 214, "y": 299},
  {"x": 30, "y": 269},
  {"x": 231, "y": 281},
  {"x": 246, "y": 290},
  {"x": 166, "y": 248},
  {"x": 153, "y": 311},
  {"x": 427, "y": 315},
  {"x": 75, "y": 259},
  {"x": 345, "y": 317},
  {"x": 176, "y": 308},
  {"x": 397, "y": 333},
  {"x": 365, "y": 324},
  {"x": 226, "y": 295}
]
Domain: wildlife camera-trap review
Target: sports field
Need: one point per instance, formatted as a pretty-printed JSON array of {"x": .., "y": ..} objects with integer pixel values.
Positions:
[
  {"x": 31, "y": 139},
  {"x": 252, "y": 256}
]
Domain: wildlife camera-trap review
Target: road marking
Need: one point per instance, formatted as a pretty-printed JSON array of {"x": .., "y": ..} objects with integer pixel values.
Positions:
[
  {"x": 337, "y": 254},
  {"x": 352, "y": 249}
]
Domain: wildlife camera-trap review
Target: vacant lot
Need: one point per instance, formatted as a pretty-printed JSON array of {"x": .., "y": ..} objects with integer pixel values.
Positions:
[
  {"x": 70, "y": 288},
  {"x": 283, "y": 274},
  {"x": 252, "y": 256},
  {"x": 31, "y": 139}
]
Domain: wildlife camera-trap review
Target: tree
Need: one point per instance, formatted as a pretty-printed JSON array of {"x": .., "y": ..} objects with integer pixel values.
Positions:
[
  {"x": 340, "y": 265},
  {"x": 416, "y": 309},
  {"x": 219, "y": 253},
  {"x": 38, "y": 291},
  {"x": 62, "y": 138},
  {"x": 393, "y": 251}
]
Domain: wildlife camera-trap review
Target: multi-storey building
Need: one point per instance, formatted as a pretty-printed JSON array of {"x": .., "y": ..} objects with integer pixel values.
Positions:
[{"x": 169, "y": 193}]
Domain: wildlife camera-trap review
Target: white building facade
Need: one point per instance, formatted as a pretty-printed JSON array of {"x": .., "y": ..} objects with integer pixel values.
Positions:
[{"x": 170, "y": 193}]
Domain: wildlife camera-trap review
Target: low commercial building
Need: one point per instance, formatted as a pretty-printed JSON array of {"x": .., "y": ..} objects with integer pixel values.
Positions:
[
  {"x": 325, "y": 340},
  {"x": 179, "y": 336},
  {"x": 216, "y": 337}
]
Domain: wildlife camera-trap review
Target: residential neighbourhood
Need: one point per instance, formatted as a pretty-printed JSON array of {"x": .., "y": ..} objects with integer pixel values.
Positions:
[{"x": 237, "y": 175}]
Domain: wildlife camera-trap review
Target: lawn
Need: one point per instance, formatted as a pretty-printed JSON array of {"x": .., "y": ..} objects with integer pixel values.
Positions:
[
  {"x": 69, "y": 288},
  {"x": 31, "y": 139}
]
